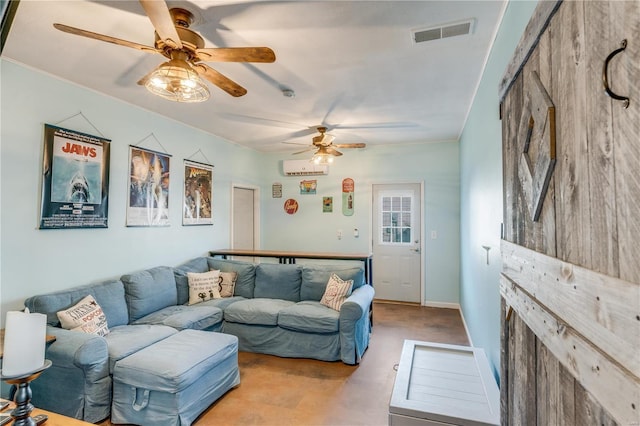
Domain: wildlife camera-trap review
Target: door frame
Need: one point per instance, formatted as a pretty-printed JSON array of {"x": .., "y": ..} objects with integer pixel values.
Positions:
[
  {"x": 256, "y": 213},
  {"x": 422, "y": 229}
]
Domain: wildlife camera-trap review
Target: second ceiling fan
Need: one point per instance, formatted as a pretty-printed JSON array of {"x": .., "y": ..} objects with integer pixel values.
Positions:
[
  {"x": 178, "y": 79},
  {"x": 325, "y": 148}
]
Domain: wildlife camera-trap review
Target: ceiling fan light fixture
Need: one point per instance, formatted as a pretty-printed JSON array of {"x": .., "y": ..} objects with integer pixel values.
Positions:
[
  {"x": 322, "y": 157},
  {"x": 176, "y": 81}
]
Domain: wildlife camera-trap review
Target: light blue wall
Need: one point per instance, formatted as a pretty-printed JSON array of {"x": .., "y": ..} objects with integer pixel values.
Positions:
[
  {"x": 481, "y": 191},
  {"x": 310, "y": 229},
  {"x": 34, "y": 261}
]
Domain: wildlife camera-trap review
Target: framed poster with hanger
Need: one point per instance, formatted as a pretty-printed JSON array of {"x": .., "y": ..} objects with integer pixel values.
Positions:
[
  {"x": 75, "y": 180},
  {"x": 148, "y": 196}
]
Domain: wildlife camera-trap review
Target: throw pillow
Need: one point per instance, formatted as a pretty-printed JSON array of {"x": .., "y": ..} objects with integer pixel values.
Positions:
[
  {"x": 203, "y": 286},
  {"x": 336, "y": 292},
  {"x": 85, "y": 316},
  {"x": 227, "y": 283}
]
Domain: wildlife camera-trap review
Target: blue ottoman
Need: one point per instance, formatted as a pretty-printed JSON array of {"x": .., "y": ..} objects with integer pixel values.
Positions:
[{"x": 174, "y": 380}]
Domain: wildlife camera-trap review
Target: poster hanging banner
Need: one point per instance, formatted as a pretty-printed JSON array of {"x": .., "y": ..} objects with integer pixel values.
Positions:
[
  {"x": 75, "y": 180},
  {"x": 148, "y": 200},
  {"x": 198, "y": 194}
]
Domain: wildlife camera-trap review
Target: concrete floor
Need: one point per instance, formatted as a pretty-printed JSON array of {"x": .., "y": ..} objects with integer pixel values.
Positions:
[{"x": 302, "y": 392}]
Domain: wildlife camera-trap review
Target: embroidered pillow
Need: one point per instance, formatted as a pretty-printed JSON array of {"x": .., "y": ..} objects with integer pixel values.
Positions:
[
  {"x": 85, "y": 316},
  {"x": 336, "y": 292},
  {"x": 227, "y": 283},
  {"x": 203, "y": 286}
]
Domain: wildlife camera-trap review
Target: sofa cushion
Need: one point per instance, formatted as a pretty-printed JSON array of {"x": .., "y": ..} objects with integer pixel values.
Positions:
[
  {"x": 86, "y": 316},
  {"x": 256, "y": 311},
  {"x": 309, "y": 317},
  {"x": 125, "y": 340},
  {"x": 246, "y": 274},
  {"x": 108, "y": 294},
  {"x": 181, "y": 317},
  {"x": 149, "y": 290},
  {"x": 223, "y": 302},
  {"x": 199, "y": 264},
  {"x": 203, "y": 286},
  {"x": 278, "y": 281},
  {"x": 316, "y": 277}
]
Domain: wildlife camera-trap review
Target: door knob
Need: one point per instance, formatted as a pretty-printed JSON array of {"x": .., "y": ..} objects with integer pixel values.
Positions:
[{"x": 417, "y": 250}]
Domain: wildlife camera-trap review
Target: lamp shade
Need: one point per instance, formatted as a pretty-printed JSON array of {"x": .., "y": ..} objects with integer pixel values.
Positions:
[
  {"x": 24, "y": 343},
  {"x": 175, "y": 80}
]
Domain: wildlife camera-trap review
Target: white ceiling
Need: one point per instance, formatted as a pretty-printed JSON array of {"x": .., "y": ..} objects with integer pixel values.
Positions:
[{"x": 352, "y": 65}]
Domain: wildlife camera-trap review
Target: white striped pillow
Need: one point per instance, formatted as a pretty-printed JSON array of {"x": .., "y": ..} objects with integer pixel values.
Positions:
[{"x": 336, "y": 292}]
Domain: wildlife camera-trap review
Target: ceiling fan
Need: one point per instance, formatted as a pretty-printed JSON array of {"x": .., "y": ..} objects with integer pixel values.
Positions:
[
  {"x": 179, "y": 78},
  {"x": 325, "y": 148}
]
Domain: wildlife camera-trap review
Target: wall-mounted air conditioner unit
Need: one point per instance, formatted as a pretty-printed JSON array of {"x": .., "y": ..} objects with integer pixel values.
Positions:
[{"x": 303, "y": 168}]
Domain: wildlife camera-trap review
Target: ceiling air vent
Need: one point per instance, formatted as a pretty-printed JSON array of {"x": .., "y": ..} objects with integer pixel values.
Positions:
[{"x": 443, "y": 31}]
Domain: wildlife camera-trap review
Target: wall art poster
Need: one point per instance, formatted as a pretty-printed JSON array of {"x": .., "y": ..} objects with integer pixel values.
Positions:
[
  {"x": 291, "y": 206},
  {"x": 198, "y": 194},
  {"x": 75, "y": 185},
  {"x": 348, "y": 187},
  {"x": 308, "y": 186},
  {"x": 327, "y": 204},
  {"x": 148, "y": 201},
  {"x": 276, "y": 190}
]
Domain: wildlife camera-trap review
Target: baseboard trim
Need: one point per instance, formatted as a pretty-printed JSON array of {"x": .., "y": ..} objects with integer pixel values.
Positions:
[
  {"x": 466, "y": 329},
  {"x": 446, "y": 305}
]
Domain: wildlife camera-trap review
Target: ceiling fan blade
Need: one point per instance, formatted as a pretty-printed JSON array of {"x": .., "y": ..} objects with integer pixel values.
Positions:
[
  {"x": 349, "y": 145},
  {"x": 158, "y": 13},
  {"x": 102, "y": 37},
  {"x": 296, "y": 143},
  {"x": 236, "y": 54},
  {"x": 144, "y": 79},
  {"x": 311, "y": 148},
  {"x": 226, "y": 84},
  {"x": 333, "y": 152}
]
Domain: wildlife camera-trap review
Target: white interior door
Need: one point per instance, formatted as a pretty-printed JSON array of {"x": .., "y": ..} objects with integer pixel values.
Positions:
[
  {"x": 396, "y": 242},
  {"x": 244, "y": 227}
]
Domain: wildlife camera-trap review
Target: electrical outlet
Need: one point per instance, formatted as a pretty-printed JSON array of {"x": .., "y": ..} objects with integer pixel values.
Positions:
[
  {"x": 356, "y": 233},
  {"x": 434, "y": 235},
  {"x": 339, "y": 234}
]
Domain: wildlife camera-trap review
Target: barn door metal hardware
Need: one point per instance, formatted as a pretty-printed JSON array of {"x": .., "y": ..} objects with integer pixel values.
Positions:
[{"x": 605, "y": 79}]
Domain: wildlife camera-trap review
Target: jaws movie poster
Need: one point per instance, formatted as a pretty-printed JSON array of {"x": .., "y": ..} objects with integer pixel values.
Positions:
[{"x": 75, "y": 186}]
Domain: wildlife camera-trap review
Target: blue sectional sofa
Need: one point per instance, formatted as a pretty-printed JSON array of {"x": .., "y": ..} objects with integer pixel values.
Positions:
[{"x": 275, "y": 309}]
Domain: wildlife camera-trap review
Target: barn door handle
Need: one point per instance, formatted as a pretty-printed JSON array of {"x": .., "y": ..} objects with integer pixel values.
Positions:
[{"x": 605, "y": 79}]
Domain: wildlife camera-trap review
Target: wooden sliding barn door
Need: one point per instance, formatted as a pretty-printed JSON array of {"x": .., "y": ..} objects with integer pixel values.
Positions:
[{"x": 570, "y": 285}]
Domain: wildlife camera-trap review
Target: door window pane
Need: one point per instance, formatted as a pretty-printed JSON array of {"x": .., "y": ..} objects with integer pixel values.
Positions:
[{"x": 397, "y": 219}]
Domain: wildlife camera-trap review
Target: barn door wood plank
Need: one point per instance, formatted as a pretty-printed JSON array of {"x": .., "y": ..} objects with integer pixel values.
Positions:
[
  {"x": 512, "y": 108},
  {"x": 588, "y": 411},
  {"x": 624, "y": 77},
  {"x": 547, "y": 239},
  {"x": 599, "y": 128},
  {"x": 566, "y": 404},
  {"x": 548, "y": 386},
  {"x": 524, "y": 385},
  {"x": 603, "y": 309},
  {"x": 613, "y": 387},
  {"x": 505, "y": 366},
  {"x": 571, "y": 174}
]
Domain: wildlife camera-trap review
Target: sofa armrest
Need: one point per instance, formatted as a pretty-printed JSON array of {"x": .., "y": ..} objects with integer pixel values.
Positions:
[
  {"x": 78, "y": 383},
  {"x": 357, "y": 304},
  {"x": 85, "y": 351}
]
